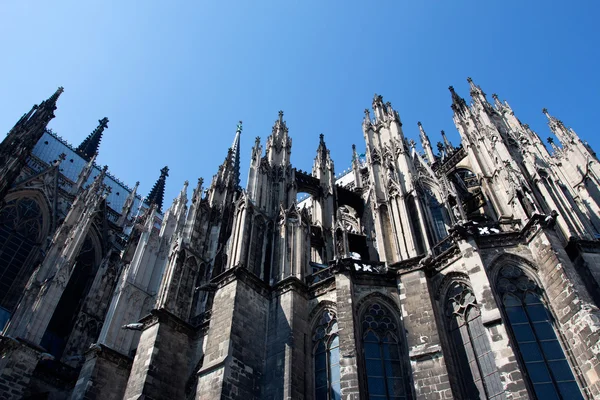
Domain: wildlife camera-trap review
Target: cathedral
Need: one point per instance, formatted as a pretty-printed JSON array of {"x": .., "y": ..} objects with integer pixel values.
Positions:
[{"x": 465, "y": 271}]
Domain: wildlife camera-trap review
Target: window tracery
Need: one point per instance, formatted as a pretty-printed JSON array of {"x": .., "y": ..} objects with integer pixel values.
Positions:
[
  {"x": 386, "y": 378},
  {"x": 21, "y": 229},
  {"x": 474, "y": 359},
  {"x": 327, "y": 357},
  {"x": 531, "y": 324}
]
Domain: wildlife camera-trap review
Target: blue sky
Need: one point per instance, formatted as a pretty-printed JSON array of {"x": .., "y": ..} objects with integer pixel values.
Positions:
[{"x": 175, "y": 77}]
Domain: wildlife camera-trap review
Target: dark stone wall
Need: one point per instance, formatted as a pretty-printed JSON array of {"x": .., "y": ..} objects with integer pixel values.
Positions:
[
  {"x": 288, "y": 346},
  {"x": 161, "y": 364},
  {"x": 104, "y": 376}
]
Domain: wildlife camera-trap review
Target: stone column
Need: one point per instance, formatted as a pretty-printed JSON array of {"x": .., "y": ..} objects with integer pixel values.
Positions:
[
  {"x": 161, "y": 368},
  {"x": 234, "y": 361},
  {"x": 345, "y": 317},
  {"x": 103, "y": 375},
  {"x": 287, "y": 348},
  {"x": 430, "y": 376}
]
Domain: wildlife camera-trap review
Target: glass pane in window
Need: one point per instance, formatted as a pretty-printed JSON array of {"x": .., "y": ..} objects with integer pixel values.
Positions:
[
  {"x": 371, "y": 337},
  {"x": 545, "y": 391},
  {"x": 372, "y": 350},
  {"x": 561, "y": 370},
  {"x": 511, "y": 300},
  {"x": 376, "y": 386},
  {"x": 391, "y": 351},
  {"x": 570, "y": 390},
  {"x": 393, "y": 368},
  {"x": 544, "y": 331},
  {"x": 523, "y": 333},
  {"x": 552, "y": 350},
  {"x": 374, "y": 367},
  {"x": 321, "y": 379},
  {"x": 395, "y": 386},
  {"x": 516, "y": 315},
  {"x": 320, "y": 362},
  {"x": 321, "y": 393},
  {"x": 538, "y": 372},
  {"x": 531, "y": 351},
  {"x": 336, "y": 393},
  {"x": 537, "y": 312},
  {"x": 335, "y": 373},
  {"x": 532, "y": 298},
  {"x": 334, "y": 356}
]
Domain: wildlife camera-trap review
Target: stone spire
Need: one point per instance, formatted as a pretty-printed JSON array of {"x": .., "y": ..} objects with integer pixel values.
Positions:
[
  {"x": 558, "y": 128},
  {"x": 447, "y": 144},
  {"x": 459, "y": 105},
  {"x": 426, "y": 144},
  {"x": 279, "y": 144},
  {"x": 157, "y": 193},
  {"x": 91, "y": 143},
  {"x": 235, "y": 150},
  {"x": 322, "y": 150},
  {"x": 127, "y": 206},
  {"x": 84, "y": 175},
  {"x": 21, "y": 139},
  {"x": 497, "y": 102}
]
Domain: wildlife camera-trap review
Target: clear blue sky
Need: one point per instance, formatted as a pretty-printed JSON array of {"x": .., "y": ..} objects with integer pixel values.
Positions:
[{"x": 175, "y": 77}]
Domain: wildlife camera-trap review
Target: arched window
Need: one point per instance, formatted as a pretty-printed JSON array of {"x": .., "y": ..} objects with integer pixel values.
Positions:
[
  {"x": 326, "y": 345},
  {"x": 437, "y": 215},
  {"x": 21, "y": 226},
  {"x": 531, "y": 324},
  {"x": 473, "y": 358},
  {"x": 384, "y": 370}
]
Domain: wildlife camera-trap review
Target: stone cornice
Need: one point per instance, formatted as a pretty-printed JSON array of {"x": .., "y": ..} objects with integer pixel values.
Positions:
[
  {"x": 164, "y": 316},
  {"x": 102, "y": 351}
]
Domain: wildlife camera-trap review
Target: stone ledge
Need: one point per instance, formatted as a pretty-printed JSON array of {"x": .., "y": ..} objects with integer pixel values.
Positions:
[
  {"x": 213, "y": 365},
  {"x": 425, "y": 351}
]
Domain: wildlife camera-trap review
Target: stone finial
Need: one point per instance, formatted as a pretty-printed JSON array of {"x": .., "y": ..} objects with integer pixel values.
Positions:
[
  {"x": 550, "y": 140},
  {"x": 419, "y": 124},
  {"x": 239, "y": 127}
]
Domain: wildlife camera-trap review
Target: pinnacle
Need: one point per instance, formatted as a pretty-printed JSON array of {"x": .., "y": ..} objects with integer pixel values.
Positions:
[
  {"x": 157, "y": 193},
  {"x": 91, "y": 143}
]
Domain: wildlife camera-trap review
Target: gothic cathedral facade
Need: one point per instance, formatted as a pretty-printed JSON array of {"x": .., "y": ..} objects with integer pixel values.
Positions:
[{"x": 455, "y": 272}]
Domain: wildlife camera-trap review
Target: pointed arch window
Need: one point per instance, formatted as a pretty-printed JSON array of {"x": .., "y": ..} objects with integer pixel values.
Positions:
[
  {"x": 531, "y": 324},
  {"x": 21, "y": 225},
  {"x": 473, "y": 358},
  {"x": 326, "y": 345},
  {"x": 385, "y": 372}
]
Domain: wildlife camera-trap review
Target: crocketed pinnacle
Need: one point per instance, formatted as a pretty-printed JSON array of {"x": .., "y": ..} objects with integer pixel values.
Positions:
[
  {"x": 458, "y": 103},
  {"x": 157, "y": 194},
  {"x": 235, "y": 151},
  {"x": 91, "y": 143}
]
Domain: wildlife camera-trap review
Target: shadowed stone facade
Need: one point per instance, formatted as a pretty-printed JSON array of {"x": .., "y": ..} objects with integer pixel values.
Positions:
[{"x": 467, "y": 273}]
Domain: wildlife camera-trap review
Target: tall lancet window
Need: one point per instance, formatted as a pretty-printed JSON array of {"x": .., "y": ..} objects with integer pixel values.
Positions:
[
  {"x": 386, "y": 378},
  {"x": 531, "y": 324},
  {"x": 327, "y": 357},
  {"x": 473, "y": 358},
  {"x": 21, "y": 231}
]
